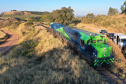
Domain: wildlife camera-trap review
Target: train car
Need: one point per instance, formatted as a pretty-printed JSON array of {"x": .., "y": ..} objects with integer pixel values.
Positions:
[{"x": 91, "y": 44}]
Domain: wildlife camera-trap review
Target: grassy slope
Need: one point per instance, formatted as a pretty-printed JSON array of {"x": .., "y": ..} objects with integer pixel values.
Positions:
[
  {"x": 50, "y": 61},
  {"x": 119, "y": 67},
  {"x": 21, "y": 16},
  {"x": 3, "y": 36}
]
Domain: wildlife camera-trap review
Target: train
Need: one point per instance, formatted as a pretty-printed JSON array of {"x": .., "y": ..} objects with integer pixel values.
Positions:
[{"x": 92, "y": 45}]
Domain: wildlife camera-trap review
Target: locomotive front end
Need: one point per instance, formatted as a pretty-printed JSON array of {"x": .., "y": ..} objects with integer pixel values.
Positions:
[{"x": 101, "y": 51}]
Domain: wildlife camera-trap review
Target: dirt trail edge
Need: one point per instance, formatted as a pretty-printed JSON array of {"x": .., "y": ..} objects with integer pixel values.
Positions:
[{"x": 9, "y": 43}]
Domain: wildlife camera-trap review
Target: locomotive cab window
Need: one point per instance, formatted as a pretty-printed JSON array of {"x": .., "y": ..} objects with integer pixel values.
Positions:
[
  {"x": 99, "y": 41},
  {"x": 93, "y": 41}
]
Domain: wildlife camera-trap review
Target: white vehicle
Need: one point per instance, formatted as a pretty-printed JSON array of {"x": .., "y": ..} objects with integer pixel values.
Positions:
[{"x": 120, "y": 39}]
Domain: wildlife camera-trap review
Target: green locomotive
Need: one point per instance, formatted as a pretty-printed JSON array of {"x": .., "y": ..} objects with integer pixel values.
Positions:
[{"x": 91, "y": 44}]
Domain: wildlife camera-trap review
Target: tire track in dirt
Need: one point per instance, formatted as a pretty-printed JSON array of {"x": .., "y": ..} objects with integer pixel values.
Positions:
[{"x": 9, "y": 43}]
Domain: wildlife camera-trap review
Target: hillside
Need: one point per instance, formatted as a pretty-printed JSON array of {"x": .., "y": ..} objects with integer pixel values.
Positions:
[
  {"x": 24, "y": 13},
  {"x": 37, "y": 12},
  {"x": 121, "y": 15},
  {"x": 17, "y": 13},
  {"x": 112, "y": 23}
]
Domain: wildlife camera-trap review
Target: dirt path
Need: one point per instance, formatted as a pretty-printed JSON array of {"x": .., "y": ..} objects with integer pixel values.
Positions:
[{"x": 13, "y": 38}]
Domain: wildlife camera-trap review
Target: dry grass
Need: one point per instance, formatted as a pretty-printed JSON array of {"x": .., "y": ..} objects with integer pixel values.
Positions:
[
  {"x": 4, "y": 22},
  {"x": 52, "y": 62},
  {"x": 116, "y": 23},
  {"x": 3, "y": 36}
]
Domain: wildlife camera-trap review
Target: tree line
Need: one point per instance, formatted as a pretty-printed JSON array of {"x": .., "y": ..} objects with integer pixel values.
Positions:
[
  {"x": 111, "y": 12},
  {"x": 63, "y": 16}
]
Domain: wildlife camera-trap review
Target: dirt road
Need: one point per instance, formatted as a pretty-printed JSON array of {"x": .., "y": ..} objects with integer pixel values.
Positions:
[{"x": 13, "y": 38}]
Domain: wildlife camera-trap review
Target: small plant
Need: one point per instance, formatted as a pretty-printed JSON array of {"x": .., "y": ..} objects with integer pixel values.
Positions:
[
  {"x": 28, "y": 48},
  {"x": 15, "y": 25},
  {"x": 72, "y": 24},
  {"x": 29, "y": 23}
]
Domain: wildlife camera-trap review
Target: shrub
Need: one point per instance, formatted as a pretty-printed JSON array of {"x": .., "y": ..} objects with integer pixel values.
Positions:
[
  {"x": 90, "y": 15},
  {"x": 15, "y": 25},
  {"x": 28, "y": 48},
  {"x": 29, "y": 23},
  {"x": 36, "y": 19},
  {"x": 72, "y": 25}
]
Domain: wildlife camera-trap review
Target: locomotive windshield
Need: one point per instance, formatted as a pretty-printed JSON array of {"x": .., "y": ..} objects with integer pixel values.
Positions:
[
  {"x": 93, "y": 41},
  {"x": 99, "y": 41}
]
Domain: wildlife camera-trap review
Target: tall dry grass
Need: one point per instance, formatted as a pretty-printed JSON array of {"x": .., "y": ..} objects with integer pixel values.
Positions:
[{"x": 116, "y": 23}]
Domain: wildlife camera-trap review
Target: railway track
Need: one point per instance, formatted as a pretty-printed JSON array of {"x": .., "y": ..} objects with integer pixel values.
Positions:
[{"x": 111, "y": 77}]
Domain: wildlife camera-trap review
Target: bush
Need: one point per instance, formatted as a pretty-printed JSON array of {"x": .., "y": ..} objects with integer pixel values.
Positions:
[
  {"x": 36, "y": 19},
  {"x": 90, "y": 15},
  {"x": 106, "y": 23},
  {"x": 76, "y": 20},
  {"x": 72, "y": 25},
  {"x": 15, "y": 25},
  {"x": 29, "y": 23},
  {"x": 28, "y": 48}
]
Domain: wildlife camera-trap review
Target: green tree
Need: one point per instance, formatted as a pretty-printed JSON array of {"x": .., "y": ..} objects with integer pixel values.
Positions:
[
  {"x": 43, "y": 17},
  {"x": 47, "y": 18},
  {"x": 90, "y": 15},
  {"x": 63, "y": 16},
  {"x": 112, "y": 11},
  {"x": 123, "y": 7}
]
